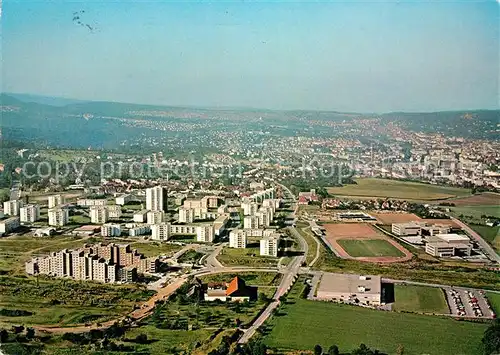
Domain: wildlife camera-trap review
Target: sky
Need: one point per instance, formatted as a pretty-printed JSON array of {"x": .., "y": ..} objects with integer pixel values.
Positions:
[{"x": 369, "y": 56}]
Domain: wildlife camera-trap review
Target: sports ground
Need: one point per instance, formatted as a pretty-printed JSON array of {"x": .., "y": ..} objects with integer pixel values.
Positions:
[{"x": 360, "y": 241}]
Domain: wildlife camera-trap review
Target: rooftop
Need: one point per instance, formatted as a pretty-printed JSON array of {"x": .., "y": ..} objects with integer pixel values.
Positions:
[{"x": 348, "y": 283}]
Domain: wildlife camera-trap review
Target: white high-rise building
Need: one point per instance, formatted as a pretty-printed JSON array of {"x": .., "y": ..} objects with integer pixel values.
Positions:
[
  {"x": 98, "y": 214},
  {"x": 160, "y": 231},
  {"x": 251, "y": 222},
  {"x": 269, "y": 246},
  {"x": 155, "y": 217},
  {"x": 58, "y": 217},
  {"x": 12, "y": 207},
  {"x": 249, "y": 208},
  {"x": 29, "y": 213},
  {"x": 111, "y": 230},
  {"x": 154, "y": 198},
  {"x": 55, "y": 200},
  {"x": 205, "y": 233},
  {"x": 186, "y": 215},
  {"x": 237, "y": 239}
]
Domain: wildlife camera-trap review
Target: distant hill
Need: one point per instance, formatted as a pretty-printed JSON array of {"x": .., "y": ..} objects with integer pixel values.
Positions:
[{"x": 45, "y": 100}]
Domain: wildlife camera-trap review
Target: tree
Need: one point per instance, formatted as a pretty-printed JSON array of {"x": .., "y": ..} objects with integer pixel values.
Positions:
[
  {"x": 30, "y": 333},
  {"x": 491, "y": 339},
  {"x": 4, "y": 336},
  {"x": 333, "y": 350},
  {"x": 318, "y": 350}
]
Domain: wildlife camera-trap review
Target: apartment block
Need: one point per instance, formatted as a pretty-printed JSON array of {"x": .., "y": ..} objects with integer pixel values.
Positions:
[
  {"x": 12, "y": 207},
  {"x": 237, "y": 239},
  {"x": 205, "y": 233},
  {"x": 58, "y": 216},
  {"x": 156, "y": 198},
  {"x": 155, "y": 217},
  {"x": 269, "y": 246},
  {"x": 111, "y": 230},
  {"x": 55, "y": 200},
  {"x": 29, "y": 213},
  {"x": 160, "y": 231},
  {"x": 88, "y": 202},
  {"x": 251, "y": 222},
  {"x": 140, "y": 216},
  {"x": 8, "y": 225},
  {"x": 99, "y": 214},
  {"x": 186, "y": 215}
]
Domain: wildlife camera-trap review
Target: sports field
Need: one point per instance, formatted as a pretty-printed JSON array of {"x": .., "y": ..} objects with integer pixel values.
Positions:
[
  {"x": 361, "y": 241},
  {"x": 419, "y": 299},
  {"x": 305, "y": 323},
  {"x": 369, "y": 248},
  {"x": 383, "y": 188}
]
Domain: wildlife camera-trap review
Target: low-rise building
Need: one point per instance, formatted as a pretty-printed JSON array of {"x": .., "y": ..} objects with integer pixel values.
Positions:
[
  {"x": 139, "y": 229},
  {"x": 123, "y": 199},
  {"x": 111, "y": 230},
  {"x": 448, "y": 245},
  {"x": 87, "y": 202},
  {"x": 234, "y": 291},
  {"x": 364, "y": 289},
  {"x": 9, "y": 224},
  {"x": 140, "y": 216}
]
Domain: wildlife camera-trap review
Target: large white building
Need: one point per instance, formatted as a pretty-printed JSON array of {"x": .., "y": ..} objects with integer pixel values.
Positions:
[
  {"x": 251, "y": 222},
  {"x": 160, "y": 231},
  {"x": 111, "y": 230},
  {"x": 448, "y": 245},
  {"x": 205, "y": 233},
  {"x": 29, "y": 213},
  {"x": 138, "y": 229},
  {"x": 186, "y": 215},
  {"x": 55, "y": 200},
  {"x": 99, "y": 214},
  {"x": 12, "y": 207},
  {"x": 155, "y": 217},
  {"x": 238, "y": 239},
  {"x": 140, "y": 216},
  {"x": 364, "y": 289},
  {"x": 123, "y": 199},
  {"x": 58, "y": 216},
  {"x": 269, "y": 246},
  {"x": 155, "y": 198},
  {"x": 8, "y": 225}
]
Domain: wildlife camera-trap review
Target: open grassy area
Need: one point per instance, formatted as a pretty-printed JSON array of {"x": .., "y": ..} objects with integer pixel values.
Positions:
[
  {"x": 305, "y": 231},
  {"x": 383, "y": 188},
  {"x": 246, "y": 257},
  {"x": 65, "y": 302},
  {"x": 476, "y": 211},
  {"x": 155, "y": 248},
  {"x": 490, "y": 234},
  {"x": 369, "y": 248},
  {"x": 303, "y": 324},
  {"x": 419, "y": 299},
  {"x": 494, "y": 299},
  {"x": 79, "y": 219}
]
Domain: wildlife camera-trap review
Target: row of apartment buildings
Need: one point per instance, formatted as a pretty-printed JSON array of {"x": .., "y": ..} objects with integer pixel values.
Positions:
[{"x": 99, "y": 262}]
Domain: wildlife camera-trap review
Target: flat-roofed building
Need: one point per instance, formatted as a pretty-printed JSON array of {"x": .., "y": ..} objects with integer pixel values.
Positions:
[
  {"x": 12, "y": 207},
  {"x": 156, "y": 198},
  {"x": 139, "y": 229},
  {"x": 99, "y": 214},
  {"x": 205, "y": 233},
  {"x": 114, "y": 211},
  {"x": 220, "y": 224},
  {"x": 29, "y": 213},
  {"x": 186, "y": 215},
  {"x": 448, "y": 245},
  {"x": 367, "y": 289},
  {"x": 251, "y": 222},
  {"x": 238, "y": 239},
  {"x": 406, "y": 229},
  {"x": 8, "y": 225},
  {"x": 269, "y": 246},
  {"x": 111, "y": 230},
  {"x": 140, "y": 216},
  {"x": 160, "y": 231},
  {"x": 183, "y": 229},
  {"x": 55, "y": 200},
  {"x": 155, "y": 217},
  {"x": 87, "y": 202},
  {"x": 123, "y": 199},
  {"x": 58, "y": 216}
]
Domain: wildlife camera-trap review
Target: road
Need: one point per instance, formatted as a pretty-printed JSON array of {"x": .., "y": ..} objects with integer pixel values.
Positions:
[
  {"x": 482, "y": 243},
  {"x": 212, "y": 261},
  {"x": 290, "y": 273}
]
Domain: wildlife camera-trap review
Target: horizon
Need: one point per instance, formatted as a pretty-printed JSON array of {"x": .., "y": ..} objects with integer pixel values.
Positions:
[
  {"x": 347, "y": 57},
  {"x": 14, "y": 94}
]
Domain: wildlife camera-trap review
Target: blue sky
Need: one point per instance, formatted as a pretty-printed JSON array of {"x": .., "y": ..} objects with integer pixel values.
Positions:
[{"x": 353, "y": 56}]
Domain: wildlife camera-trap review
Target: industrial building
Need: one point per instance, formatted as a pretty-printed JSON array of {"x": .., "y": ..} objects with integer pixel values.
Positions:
[{"x": 364, "y": 289}]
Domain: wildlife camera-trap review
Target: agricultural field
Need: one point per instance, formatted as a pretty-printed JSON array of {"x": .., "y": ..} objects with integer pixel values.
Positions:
[
  {"x": 383, "y": 188},
  {"x": 477, "y": 211},
  {"x": 246, "y": 257},
  {"x": 369, "y": 248},
  {"x": 482, "y": 199},
  {"x": 302, "y": 324},
  {"x": 419, "y": 299},
  {"x": 490, "y": 234}
]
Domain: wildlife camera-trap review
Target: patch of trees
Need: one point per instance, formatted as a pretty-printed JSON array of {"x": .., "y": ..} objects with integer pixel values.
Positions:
[
  {"x": 14, "y": 313},
  {"x": 491, "y": 339},
  {"x": 361, "y": 350}
]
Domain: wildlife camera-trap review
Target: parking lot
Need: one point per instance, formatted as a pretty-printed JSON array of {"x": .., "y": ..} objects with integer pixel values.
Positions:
[{"x": 468, "y": 303}]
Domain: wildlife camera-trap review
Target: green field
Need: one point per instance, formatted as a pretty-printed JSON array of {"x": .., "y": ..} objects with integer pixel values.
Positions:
[
  {"x": 494, "y": 299},
  {"x": 383, "y": 188},
  {"x": 304, "y": 324},
  {"x": 245, "y": 257},
  {"x": 369, "y": 248},
  {"x": 490, "y": 234},
  {"x": 419, "y": 299},
  {"x": 476, "y": 211}
]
